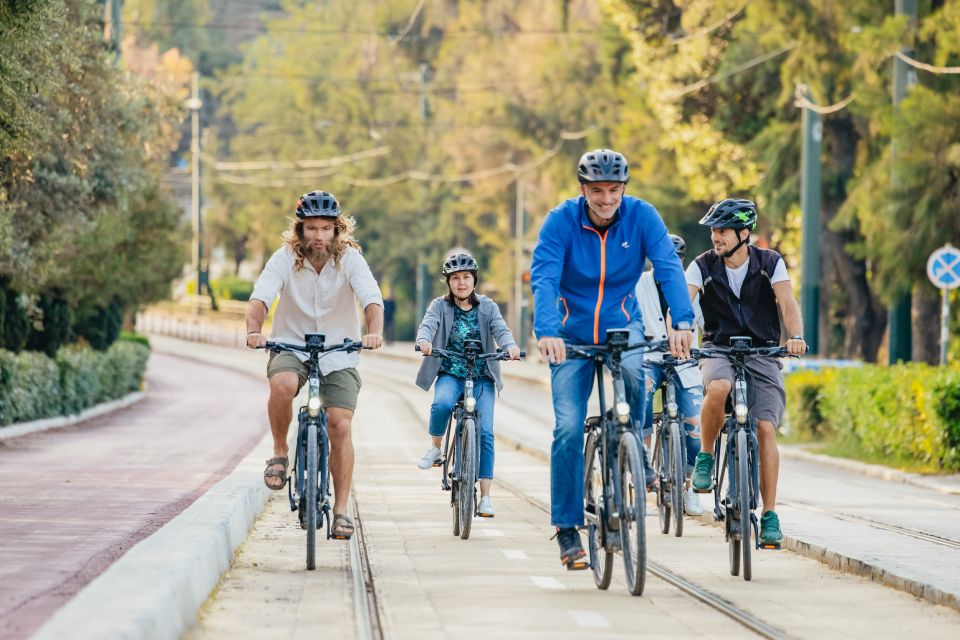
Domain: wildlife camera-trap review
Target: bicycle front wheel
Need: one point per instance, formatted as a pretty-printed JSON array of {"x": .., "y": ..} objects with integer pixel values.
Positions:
[
  {"x": 468, "y": 475},
  {"x": 743, "y": 497},
  {"x": 677, "y": 476},
  {"x": 663, "y": 505},
  {"x": 601, "y": 560},
  {"x": 310, "y": 495},
  {"x": 633, "y": 498}
]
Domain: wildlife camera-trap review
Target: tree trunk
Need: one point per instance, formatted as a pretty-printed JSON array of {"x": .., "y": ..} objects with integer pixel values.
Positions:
[
  {"x": 855, "y": 309},
  {"x": 925, "y": 321}
]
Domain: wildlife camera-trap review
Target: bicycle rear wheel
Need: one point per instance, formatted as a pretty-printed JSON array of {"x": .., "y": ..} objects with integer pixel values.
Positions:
[
  {"x": 601, "y": 560},
  {"x": 743, "y": 497},
  {"x": 677, "y": 476},
  {"x": 310, "y": 495},
  {"x": 468, "y": 476},
  {"x": 633, "y": 497}
]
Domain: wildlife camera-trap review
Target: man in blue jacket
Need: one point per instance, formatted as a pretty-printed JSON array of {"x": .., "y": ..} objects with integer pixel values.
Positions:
[{"x": 589, "y": 256}]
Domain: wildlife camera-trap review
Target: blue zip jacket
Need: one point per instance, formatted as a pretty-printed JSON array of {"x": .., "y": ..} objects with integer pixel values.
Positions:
[{"x": 584, "y": 280}]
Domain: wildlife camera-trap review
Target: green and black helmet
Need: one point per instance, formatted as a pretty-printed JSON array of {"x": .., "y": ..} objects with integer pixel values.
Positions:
[{"x": 732, "y": 213}]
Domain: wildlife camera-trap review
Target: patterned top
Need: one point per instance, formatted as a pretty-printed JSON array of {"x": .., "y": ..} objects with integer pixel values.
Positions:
[{"x": 466, "y": 326}]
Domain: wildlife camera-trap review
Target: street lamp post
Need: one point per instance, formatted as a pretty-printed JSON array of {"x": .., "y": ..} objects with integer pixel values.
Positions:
[{"x": 194, "y": 104}]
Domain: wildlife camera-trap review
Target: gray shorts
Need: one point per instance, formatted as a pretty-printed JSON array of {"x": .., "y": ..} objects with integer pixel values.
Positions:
[
  {"x": 768, "y": 397},
  {"x": 337, "y": 388}
]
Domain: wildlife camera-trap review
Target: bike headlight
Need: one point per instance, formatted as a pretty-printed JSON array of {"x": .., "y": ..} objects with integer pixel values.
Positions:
[
  {"x": 470, "y": 404},
  {"x": 623, "y": 412},
  {"x": 313, "y": 406},
  {"x": 740, "y": 411},
  {"x": 672, "y": 409}
]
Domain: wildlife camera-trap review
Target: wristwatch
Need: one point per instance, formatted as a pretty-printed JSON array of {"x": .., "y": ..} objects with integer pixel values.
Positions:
[
  {"x": 684, "y": 326},
  {"x": 797, "y": 338}
]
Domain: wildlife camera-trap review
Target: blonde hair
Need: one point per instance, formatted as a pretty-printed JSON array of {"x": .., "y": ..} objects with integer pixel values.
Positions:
[{"x": 342, "y": 238}]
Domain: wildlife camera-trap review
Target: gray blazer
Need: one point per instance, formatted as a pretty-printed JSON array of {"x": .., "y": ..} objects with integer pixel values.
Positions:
[{"x": 437, "y": 325}]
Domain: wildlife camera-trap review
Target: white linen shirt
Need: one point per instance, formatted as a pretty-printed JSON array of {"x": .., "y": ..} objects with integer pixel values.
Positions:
[
  {"x": 655, "y": 326},
  {"x": 318, "y": 303}
]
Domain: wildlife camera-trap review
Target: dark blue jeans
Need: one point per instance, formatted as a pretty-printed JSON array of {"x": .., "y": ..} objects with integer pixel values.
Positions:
[
  {"x": 572, "y": 383},
  {"x": 446, "y": 392}
]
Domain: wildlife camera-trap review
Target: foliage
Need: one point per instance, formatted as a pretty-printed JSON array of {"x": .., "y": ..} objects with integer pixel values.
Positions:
[
  {"x": 138, "y": 338},
  {"x": 34, "y": 386},
  {"x": 904, "y": 414},
  {"x": 232, "y": 288}
]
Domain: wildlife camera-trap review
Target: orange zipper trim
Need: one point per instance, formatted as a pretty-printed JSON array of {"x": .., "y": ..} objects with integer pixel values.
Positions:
[
  {"x": 563, "y": 322},
  {"x": 603, "y": 275}
]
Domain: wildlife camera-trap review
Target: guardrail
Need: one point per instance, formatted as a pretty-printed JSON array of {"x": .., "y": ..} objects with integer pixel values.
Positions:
[{"x": 194, "y": 329}]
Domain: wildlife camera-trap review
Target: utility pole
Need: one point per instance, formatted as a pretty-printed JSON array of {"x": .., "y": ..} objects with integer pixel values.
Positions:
[
  {"x": 899, "y": 314},
  {"x": 194, "y": 104},
  {"x": 812, "y": 126},
  {"x": 519, "y": 223},
  {"x": 423, "y": 289}
]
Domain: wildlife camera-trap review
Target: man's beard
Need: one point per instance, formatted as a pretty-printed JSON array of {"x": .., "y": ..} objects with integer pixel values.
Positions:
[{"x": 315, "y": 254}]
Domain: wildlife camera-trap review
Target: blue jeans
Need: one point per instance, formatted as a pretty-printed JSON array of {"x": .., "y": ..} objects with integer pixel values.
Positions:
[
  {"x": 446, "y": 392},
  {"x": 571, "y": 383},
  {"x": 689, "y": 403}
]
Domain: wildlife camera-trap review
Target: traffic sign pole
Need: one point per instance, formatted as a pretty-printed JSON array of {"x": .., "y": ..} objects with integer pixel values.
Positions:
[{"x": 943, "y": 269}]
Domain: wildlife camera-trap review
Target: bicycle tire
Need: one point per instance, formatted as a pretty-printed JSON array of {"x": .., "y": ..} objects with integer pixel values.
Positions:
[
  {"x": 743, "y": 491},
  {"x": 677, "y": 476},
  {"x": 663, "y": 506},
  {"x": 601, "y": 560},
  {"x": 633, "y": 498},
  {"x": 468, "y": 476},
  {"x": 454, "y": 455},
  {"x": 310, "y": 495}
]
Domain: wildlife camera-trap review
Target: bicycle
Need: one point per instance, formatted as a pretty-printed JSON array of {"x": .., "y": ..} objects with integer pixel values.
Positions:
[
  {"x": 740, "y": 456},
  {"x": 309, "y": 486},
  {"x": 614, "y": 480},
  {"x": 669, "y": 451},
  {"x": 462, "y": 443}
]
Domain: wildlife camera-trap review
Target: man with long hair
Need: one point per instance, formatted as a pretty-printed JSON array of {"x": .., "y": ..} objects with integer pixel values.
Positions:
[{"x": 320, "y": 276}]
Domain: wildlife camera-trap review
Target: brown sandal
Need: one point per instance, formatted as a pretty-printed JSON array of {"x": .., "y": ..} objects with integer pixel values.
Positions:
[
  {"x": 342, "y": 527},
  {"x": 270, "y": 472}
]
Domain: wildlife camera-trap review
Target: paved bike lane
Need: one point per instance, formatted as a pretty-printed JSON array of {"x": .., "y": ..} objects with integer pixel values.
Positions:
[{"x": 73, "y": 500}]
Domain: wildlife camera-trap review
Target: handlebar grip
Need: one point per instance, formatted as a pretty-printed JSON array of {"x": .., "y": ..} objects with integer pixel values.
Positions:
[
  {"x": 523, "y": 354},
  {"x": 416, "y": 347}
]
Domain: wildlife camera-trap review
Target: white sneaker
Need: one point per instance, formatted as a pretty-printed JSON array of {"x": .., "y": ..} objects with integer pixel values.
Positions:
[
  {"x": 691, "y": 502},
  {"x": 431, "y": 457},
  {"x": 485, "y": 508}
]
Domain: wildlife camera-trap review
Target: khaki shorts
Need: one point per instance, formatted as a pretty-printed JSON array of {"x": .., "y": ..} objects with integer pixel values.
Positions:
[
  {"x": 767, "y": 397},
  {"x": 337, "y": 388}
]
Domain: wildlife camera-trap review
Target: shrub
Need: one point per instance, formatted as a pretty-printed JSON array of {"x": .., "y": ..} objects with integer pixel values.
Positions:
[
  {"x": 232, "y": 288},
  {"x": 133, "y": 336},
  {"x": 33, "y": 386},
  {"x": 903, "y": 414}
]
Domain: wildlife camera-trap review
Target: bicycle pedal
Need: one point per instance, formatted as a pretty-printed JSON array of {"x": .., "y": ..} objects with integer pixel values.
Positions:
[
  {"x": 486, "y": 515},
  {"x": 438, "y": 463},
  {"x": 772, "y": 546},
  {"x": 578, "y": 565}
]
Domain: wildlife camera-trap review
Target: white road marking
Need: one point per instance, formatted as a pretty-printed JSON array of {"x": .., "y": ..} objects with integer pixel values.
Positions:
[
  {"x": 546, "y": 583},
  {"x": 515, "y": 554},
  {"x": 492, "y": 533},
  {"x": 589, "y": 619}
]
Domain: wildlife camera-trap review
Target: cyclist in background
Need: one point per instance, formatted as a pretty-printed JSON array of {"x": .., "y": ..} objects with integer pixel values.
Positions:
[
  {"x": 584, "y": 272},
  {"x": 743, "y": 291},
  {"x": 320, "y": 276},
  {"x": 687, "y": 381},
  {"x": 462, "y": 315}
]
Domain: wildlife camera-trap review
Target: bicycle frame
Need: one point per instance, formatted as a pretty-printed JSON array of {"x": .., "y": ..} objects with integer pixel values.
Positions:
[{"x": 661, "y": 452}]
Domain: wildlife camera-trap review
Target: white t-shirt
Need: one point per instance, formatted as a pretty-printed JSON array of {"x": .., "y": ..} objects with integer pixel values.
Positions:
[{"x": 736, "y": 276}]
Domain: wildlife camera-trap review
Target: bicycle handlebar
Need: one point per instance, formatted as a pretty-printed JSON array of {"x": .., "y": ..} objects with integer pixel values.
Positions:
[
  {"x": 444, "y": 353},
  {"x": 594, "y": 350},
  {"x": 726, "y": 352},
  {"x": 347, "y": 345}
]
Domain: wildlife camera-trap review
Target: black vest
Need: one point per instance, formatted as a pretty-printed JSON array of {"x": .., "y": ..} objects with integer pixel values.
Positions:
[{"x": 753, "y": 314}]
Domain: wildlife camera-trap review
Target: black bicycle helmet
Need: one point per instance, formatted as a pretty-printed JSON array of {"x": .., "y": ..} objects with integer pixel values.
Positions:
[
  {"x": 732, "y": 213},
  {"x": 460, "y": 262},
  {"x": 318, "y": 204},
  {"x": 603, "y": 165},
  {"x": 679, "y": 245}
]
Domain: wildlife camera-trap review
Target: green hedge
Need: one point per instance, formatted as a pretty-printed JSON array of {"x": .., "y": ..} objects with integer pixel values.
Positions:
[
  {"x": 33, "y": 386},
  {"x": 903, "y": 415}
]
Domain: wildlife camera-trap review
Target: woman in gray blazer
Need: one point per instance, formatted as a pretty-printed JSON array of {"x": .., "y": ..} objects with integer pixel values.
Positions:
[{"x": 462, "y": 315}]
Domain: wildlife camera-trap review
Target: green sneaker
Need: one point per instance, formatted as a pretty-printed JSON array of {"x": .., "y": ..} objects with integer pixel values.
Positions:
[
  {"x": 702, "y": 478},
  {"x": 771, "y": 537}
]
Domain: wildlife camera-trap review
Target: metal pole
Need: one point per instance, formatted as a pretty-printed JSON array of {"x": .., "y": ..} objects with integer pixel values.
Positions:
[
  {"x": 944, "y": 325},
  {"x": 810, "y": 204},
  {"x": 899, "y": 314},
  {"x": 518, "y": 264},
  {"x": 195, "y": 105}
]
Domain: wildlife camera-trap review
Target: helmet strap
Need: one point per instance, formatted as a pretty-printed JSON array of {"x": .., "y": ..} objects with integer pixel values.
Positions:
[{"x": 727, "y": 254}]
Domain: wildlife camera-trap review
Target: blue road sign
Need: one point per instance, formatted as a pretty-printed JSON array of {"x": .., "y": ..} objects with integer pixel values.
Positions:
[{"x": 943, "y": 267}]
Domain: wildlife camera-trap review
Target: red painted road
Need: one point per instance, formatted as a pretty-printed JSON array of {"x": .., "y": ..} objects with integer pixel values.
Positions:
[{"x": 73, "y": 500}]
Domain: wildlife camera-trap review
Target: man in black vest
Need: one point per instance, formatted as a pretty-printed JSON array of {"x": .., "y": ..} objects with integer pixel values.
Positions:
[{"x": 743, "y": 292}]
